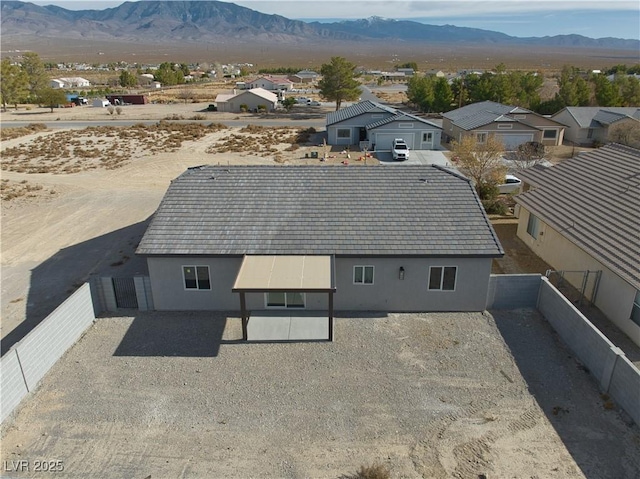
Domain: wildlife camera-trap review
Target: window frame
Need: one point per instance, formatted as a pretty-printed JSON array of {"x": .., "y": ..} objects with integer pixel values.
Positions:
[
  {"x": 286, "y": 302},
  {"x": 549, "y": 130},
  {"x": 481, "y": 137},
  {"x": 441, "y": 280},
  {"x": 427, "y": 137},
  {"x": 533, "y": 226},
  {"x": 505, "y": 126},
  {"x": 197, "y": 278},
  {"x": 364, "y": 267},
  {"x": 338, "y": 130}
]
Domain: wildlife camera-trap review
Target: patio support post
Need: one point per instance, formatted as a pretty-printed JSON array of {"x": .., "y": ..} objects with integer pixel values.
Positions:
[
  {"x": 243, "y": 313},
  {"x": 331, "y": 316}
]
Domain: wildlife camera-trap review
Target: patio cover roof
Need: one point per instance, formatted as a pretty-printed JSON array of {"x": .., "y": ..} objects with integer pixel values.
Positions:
[{"x": 285, "y": 273}]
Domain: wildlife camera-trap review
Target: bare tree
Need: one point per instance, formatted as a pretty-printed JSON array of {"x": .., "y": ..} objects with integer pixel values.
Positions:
[
  {"x": 480, "y": 161},
  {"x": 626, "y": 133},
  {"x": 528, "y": 155}
]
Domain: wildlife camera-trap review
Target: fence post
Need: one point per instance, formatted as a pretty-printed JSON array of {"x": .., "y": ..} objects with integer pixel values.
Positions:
[{"x": 141, "y": 294}]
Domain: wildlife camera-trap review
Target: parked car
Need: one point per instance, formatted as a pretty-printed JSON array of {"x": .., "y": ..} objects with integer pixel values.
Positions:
[
  {"x": 400, "y": 150},
  {"x": 511, "y": 185}
]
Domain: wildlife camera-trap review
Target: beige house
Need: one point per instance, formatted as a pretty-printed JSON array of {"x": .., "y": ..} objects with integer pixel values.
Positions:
[
  {"x": 593, "y": 124},
  {"x": 252, "y": 100},
  {"x": 511, "y": 124},
  {"x": 582, "y": 217}
]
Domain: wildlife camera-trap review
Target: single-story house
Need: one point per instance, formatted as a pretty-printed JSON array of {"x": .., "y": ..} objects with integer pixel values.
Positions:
[
  {"x": 377, "y": 124},
  {"x": 271, "y": 83},
  {"x": 251, "y": 99},
  {"x": 304, "y": 76},
  {"x": 583, "y": 215},
  {"x": 319, "y": 237},
  {"x": 70, "y": 82},
  {"x": 588, "y": 124},
  {"x": 56, "y": 84},
  {"x": 511, "y": 124}
]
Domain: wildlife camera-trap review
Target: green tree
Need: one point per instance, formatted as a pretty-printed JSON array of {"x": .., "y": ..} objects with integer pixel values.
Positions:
[
  {"x": 128, "y": 79},
  {"x": 629, "y": 90},
  {"x": 605, "y": 91},
  {"x": 582, "y": 92},
  {"x": 168, "y": 74},
  {"x": 288, "y": 103},
  {"x": 51, "y": 97},
  {"x": 420, "y": 92},
  {"x": 442, "y": 95},
  {"x": 13, "y": 83},
  {"x": 37, "y": 78},
  {"x": 339, "y": 81}
]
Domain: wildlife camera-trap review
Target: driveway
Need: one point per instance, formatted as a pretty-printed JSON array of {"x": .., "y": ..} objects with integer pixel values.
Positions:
[{"x": 416, "y": 157}]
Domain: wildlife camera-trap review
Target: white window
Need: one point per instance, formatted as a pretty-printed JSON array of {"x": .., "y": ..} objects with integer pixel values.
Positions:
[
  {"x": 635, "y": 310},
  {"x": 344, "y": 133},
  {"x": 282, "y": 299},
  {"x": 427, "y": 137},
  {"x": 520, "y": 117},
  {"x": 505, "y": 126},
  {"x": 533, "y": 226},
  {"x": 363, "y": 275},
  {"x": 442, "y": 278},
  {"x": 196, "y": 277},
  {"x": 481, "y": 137},
  {"x": 549, "y": 134},
  {"x": 405, "y": 125}
]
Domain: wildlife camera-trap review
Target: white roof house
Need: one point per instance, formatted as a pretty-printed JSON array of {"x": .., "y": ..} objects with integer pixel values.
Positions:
[
  {"x": 252, "y": 100},
  {"x": 72, "y": 82}
]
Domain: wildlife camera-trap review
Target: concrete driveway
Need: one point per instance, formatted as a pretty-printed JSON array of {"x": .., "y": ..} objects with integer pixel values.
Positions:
[{"x": 416, "y": 157}]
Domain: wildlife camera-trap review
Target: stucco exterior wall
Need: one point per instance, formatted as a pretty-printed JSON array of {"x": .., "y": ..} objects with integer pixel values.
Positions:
[
  {"x": 614, "y": 296},
  {"x": 354, "y": 124},
  {"x": 388, "y": 293},
  {"x": 251, "y": 100}
]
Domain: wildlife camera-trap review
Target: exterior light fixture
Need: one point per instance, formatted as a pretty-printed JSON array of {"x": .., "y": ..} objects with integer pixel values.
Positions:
[{"x": 401, "y": 273}]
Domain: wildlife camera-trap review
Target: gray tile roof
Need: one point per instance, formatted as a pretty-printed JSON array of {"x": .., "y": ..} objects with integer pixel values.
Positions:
[
  {"x": 585, "y": 115},
  {"x": 593, "y": 200},
  {"x": 480, "y": 107},
  {"x": 475, "y": 115},
  {"x": 357, "y": 109},
  {"x": 413, "y": 210},
  {"x": 401, "y": 116}
]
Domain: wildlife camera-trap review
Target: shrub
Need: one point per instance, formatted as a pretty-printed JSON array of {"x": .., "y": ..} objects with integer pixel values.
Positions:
[
  {"x": 111, "y": 109},
  {"x": 119, "y": 110},
  {"x": 376, "y": 471},
  {"x": 244, "y": 108}
]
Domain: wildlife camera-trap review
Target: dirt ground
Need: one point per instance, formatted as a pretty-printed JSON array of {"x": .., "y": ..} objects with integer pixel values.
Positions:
[{"x": 456, "y": 395}]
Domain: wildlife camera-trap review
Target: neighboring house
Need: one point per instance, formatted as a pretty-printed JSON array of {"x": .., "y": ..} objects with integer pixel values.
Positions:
[
  {"x": 56, "y": 84},
  {"x": 304, "y": 76},
  {"x": 378, "y": 125},
  {"x": 511, "y": 124},
  {"x": 588, "y": 124},
  {"x": 252, "y": 99},
  {"x": 584, "y": 215},
  {"x": 70, "y": 82},
  {"x": 320, "y": 237},
  {"x": 271, "y": 83}
]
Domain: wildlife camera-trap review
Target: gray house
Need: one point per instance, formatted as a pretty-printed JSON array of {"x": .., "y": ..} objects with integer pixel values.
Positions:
[
  {"x": 589, "y": 124},
  {"x": 378, "y": 125},
  {"x": 256, "y": 238}
]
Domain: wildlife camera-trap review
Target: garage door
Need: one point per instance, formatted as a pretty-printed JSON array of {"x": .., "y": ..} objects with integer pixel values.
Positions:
[
  {"x": 511, "y": 141},
  {"x": 385, "y": 140}
]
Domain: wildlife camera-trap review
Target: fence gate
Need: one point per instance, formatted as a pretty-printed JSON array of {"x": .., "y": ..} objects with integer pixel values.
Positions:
[
  {"x": 125, "y": 292},
  {"x": 577, "y": 286}
]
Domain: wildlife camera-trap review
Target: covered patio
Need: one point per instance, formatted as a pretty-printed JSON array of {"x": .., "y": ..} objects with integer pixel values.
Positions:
[{"x": 284, "y": 280}]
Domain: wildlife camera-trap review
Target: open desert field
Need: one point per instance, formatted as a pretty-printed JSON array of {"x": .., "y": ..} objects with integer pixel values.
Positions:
[{"x": 97, "y": 186}]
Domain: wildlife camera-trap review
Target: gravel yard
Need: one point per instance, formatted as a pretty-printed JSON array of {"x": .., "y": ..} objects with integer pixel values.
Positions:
[{"x": 166, "y": 395}]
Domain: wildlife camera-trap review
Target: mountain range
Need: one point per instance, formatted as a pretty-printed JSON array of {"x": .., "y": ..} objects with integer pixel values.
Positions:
[{"x": 152, "y": 22}]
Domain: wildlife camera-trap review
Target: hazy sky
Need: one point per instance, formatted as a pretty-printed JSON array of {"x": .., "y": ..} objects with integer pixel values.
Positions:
[{"x": 596, "y": 19}]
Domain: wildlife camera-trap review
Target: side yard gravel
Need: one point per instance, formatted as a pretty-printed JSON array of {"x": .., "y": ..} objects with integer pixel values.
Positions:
[{"x": 166, "y": 395}]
